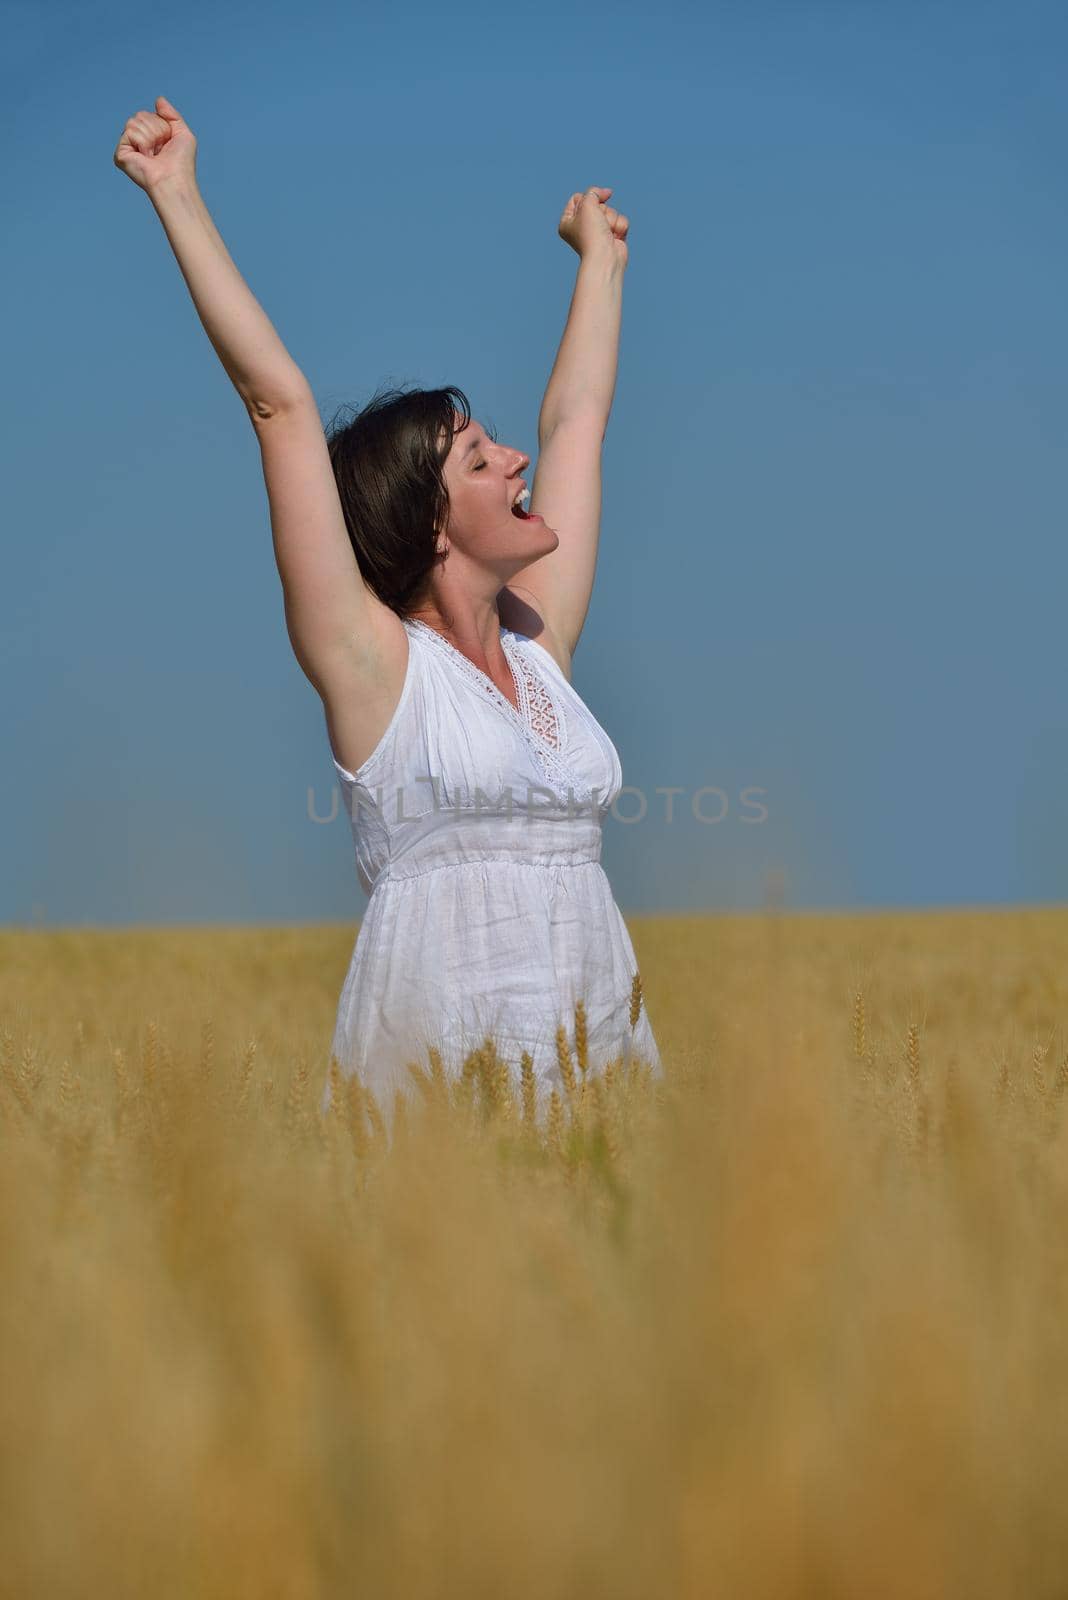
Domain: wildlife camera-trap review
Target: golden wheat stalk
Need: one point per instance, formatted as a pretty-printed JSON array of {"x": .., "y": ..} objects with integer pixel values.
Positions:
[
  {"x": 859, "y": 1026},
  {"x": 421, "y": 1080},
  {"x": 471, "y": 1068},
  {"x": 582, "y": 1045},
  {"x": 400, "y": 1117},
  {"x": 247, "y": 1065},
  {"x": 912, "y": 1055},
  {"x": 1038, "y": 1069},
  {"x": 563, "y": 1058},
  {"x": 502, "y": 1082},
  {"x": 583, "y": 1101},
  {"x": 296, "y": 1095},
  {"x": 437, "y": 1077},
  {"x": 29, "y": 1072},
  {"x": 526, "y": 1069},
  {"x": 463, "y": 1087},
  {"x": 336, "y": 1089},
  {"x": 494, "y": 1076},
  {"x": 69, "y": 1087},
  {"x": 635, "y": 999},
  {"x": 374, "y": 1115},
  {"x": 354, "y": 1107}
]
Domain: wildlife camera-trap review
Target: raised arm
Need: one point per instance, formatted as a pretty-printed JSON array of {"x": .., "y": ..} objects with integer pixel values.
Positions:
[
  {"x": 328, "y": 605},
  {"x": 573, "y": 419}
]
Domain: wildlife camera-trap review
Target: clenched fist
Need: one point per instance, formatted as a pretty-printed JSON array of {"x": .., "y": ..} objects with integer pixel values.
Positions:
[
  {"x": 157, "y": 145},
  {"x": 589, "y": 224}
]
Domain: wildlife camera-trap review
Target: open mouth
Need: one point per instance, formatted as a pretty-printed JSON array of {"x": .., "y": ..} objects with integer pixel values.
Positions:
[{"x": 517, "y": 506}]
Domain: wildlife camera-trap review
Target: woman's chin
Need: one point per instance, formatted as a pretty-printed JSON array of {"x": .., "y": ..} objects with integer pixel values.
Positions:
[{"x": 537, "y": 529}]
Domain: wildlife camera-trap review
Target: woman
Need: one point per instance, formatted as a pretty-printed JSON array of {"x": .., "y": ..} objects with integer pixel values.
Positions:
[{"x": 437, "y": 622}]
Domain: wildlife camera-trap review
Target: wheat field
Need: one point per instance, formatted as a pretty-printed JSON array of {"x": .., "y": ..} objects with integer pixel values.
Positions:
[{"x": 787, "y": 1323}]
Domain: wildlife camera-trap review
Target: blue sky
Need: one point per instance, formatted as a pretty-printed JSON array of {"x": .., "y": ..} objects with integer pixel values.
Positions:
[{"x": 832, "y": 561}]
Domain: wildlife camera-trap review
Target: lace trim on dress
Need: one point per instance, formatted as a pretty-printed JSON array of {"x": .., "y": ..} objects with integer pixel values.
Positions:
[
  {"x": 535, "y": 702},
  {"x": 537, "y": 717}
]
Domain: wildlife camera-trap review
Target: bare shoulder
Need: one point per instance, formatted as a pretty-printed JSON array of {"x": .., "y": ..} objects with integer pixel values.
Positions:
[
  {"x": 362, "y": 686},
  {"x": 520, "y": 609}
]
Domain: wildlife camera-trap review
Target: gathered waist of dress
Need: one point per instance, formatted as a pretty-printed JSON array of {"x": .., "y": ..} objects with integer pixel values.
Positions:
[{"x": 478, "y": 841}]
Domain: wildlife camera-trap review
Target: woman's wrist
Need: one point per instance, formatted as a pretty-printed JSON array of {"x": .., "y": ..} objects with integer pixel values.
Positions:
[
  {"x": 602, "y": 258},
  {"x": 178, "y": 189}
]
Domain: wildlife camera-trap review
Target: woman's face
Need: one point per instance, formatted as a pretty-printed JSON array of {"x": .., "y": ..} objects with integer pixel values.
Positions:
[{"x": 483, "y": 479}]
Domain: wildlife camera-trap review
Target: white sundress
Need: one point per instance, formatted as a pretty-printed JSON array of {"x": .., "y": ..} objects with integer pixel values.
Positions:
[{"x": 478, "y": 833}]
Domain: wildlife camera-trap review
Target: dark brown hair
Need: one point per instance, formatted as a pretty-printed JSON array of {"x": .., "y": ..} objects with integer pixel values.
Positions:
[{"x": 388, "y": 463}]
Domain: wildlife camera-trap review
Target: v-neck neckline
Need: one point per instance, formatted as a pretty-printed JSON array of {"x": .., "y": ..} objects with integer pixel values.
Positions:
[{"x": 495, "y": 691}]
